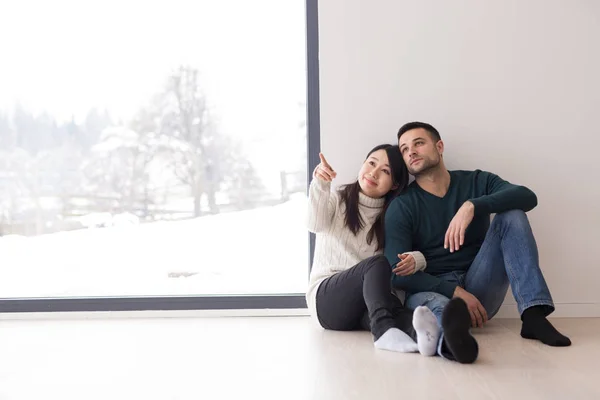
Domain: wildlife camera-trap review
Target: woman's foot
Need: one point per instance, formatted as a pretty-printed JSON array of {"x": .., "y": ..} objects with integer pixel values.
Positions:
[{"x": 395, "y": 340}]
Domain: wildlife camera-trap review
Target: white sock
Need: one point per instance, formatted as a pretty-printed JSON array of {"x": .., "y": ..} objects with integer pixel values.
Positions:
[
  {"x": 395, "y": 340},
  {"x": 428, "y": 331}
]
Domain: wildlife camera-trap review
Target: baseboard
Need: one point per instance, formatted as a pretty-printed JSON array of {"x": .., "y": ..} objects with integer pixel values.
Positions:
[
  {"x": 81, "y": 315},
  {"x": 563, "y": 310},
  {"x": 508, "y": 310}
]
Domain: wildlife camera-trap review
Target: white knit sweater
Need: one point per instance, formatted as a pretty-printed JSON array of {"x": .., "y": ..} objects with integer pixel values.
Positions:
[{"x": 337, "y": 248}]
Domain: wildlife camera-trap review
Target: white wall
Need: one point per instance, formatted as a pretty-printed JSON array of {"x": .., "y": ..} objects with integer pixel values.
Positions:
[{"x": 512, "y": 86}]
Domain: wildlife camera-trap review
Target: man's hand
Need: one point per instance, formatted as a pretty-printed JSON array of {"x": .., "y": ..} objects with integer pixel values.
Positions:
[
  {"x": 455, "y": 235},
  {"x": 478, "y": 313},
  {"x": 406, "y": 266}
]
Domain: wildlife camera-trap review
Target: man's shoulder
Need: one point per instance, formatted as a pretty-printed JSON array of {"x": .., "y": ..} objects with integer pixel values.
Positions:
[
  {"x": 470, "y": 175},
  {"x": 461, "y": 173}
]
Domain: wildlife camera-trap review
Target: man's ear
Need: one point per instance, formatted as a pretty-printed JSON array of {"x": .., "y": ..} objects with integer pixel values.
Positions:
[{"x": 440, "y": 146}]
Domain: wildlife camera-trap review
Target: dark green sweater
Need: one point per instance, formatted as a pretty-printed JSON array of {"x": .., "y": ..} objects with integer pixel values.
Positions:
[{"x": 418, "y": 220}]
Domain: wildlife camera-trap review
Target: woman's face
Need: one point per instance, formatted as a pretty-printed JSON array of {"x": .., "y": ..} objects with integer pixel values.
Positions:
[{"x": 375, "y": 175}]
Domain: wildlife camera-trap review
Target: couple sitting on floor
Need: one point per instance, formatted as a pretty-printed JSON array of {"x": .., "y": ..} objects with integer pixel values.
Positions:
[{"x": 431, "y": 239}]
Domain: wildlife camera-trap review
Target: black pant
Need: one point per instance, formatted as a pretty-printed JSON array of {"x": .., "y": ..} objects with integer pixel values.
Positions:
[{"x": 361, "y": 298}]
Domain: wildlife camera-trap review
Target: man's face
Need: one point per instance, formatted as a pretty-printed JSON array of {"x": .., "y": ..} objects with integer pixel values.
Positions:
[{"x": 419, "y": 151}]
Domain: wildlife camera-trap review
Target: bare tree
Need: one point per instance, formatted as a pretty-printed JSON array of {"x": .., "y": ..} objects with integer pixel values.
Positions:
[
  {"x": 119, "y": 167},
  {"x": 173, "y": 143},
  {"x": 187, "y": 119}
]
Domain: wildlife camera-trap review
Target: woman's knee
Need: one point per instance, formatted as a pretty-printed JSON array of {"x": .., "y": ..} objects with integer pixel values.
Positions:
[
  {"x": 379, "y": 262},
  {"x": 378, "y": 259}
]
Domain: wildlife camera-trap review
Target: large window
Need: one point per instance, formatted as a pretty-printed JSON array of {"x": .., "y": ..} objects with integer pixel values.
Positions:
[{"x": 153, "y": 149}]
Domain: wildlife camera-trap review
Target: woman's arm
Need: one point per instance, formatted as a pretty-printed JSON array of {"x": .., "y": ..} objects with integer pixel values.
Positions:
[{"x": 322, "y": 205}]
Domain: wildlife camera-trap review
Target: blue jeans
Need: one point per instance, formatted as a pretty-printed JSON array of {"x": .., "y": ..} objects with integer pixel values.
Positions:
[{"x": 508, "y": 255}]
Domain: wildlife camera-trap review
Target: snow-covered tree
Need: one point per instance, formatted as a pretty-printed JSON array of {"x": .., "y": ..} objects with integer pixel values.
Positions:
[{"x": 185, "y": 130}]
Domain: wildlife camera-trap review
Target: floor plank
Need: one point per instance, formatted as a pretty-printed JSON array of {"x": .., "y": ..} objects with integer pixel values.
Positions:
[{"x": 279, "y": 358}]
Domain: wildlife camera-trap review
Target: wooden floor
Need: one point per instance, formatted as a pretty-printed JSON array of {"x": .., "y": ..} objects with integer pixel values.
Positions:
[{"x": 280, "y": 358}]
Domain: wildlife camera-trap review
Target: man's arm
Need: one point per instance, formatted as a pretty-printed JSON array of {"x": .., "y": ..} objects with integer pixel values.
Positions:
[
  {"x": 398, "y": 240},
  {"x": 501, "y": 195}
]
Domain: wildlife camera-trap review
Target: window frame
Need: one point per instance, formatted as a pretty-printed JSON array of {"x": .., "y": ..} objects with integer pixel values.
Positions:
[{"x": 218, "y": 302}]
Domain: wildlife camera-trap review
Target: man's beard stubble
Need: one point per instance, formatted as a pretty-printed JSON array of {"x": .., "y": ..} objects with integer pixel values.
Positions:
[{"x": 428, "y": 166}]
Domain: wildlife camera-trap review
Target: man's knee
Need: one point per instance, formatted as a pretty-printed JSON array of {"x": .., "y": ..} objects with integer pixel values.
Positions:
[
  {"x": 513, "y": 218},
  {"x": 512, "y": 215}
]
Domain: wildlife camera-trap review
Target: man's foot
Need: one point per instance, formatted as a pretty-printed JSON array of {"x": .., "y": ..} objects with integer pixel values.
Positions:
[
  {"x": 536, "y": 326},
  {"x": 395, "y": 340},
  {"x": 427, "y": 329},
  {"x": 456, "y": 322}
]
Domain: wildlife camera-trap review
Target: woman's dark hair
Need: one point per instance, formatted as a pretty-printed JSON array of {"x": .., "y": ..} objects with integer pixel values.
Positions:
[{"x": 349, "y": 196}]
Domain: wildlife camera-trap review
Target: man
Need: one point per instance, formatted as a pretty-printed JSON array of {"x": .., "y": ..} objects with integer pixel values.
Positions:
[{"x": 446, "y": 216}]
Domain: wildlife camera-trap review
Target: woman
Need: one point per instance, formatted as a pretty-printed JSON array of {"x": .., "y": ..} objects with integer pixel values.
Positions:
[{"x": 350, "y": 287}]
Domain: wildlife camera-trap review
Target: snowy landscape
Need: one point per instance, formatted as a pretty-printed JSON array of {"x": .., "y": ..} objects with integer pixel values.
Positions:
[{"x": 264, "y": 250}]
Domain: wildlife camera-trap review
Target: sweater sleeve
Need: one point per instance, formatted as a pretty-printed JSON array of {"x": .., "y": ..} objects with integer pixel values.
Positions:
[
  {"x": 500, "y": 195},
  {"x": 420, "y": 262},
  {"x": 322, "y": 204},
  {"x": 398, "y": 240}
]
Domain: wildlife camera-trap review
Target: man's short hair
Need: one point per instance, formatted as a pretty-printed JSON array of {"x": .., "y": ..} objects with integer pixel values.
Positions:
[{"x": 435, "y": 135}]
